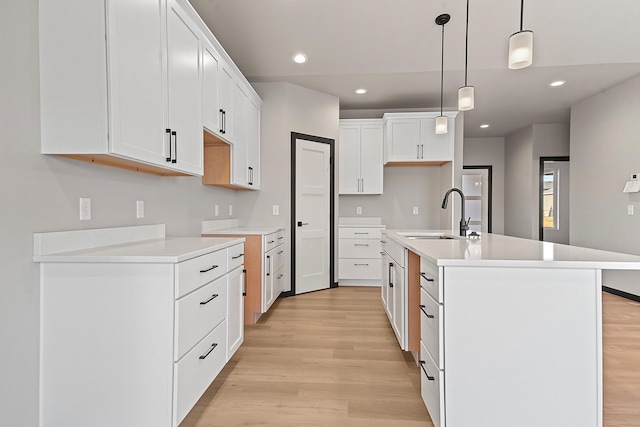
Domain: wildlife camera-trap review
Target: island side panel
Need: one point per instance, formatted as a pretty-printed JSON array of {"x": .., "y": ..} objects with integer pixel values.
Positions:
[
  {"x": 413, "y": 297},
  {"x": 523, "y": 346}
]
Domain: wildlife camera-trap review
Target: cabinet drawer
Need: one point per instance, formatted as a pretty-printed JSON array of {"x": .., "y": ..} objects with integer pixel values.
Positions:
[
  {"x": 279, "y": 258},
  {"x": 359, "y": 269},
  {"x": 394, "y": 249},
  {"x": 431, "y": 382},
  {"x": 235, "y": 256},
  {"x": 195, "y": 272},
  {"x": 198, "y": 313},
  {"x": 359, "y": 248},
  {"x": 199, "y": 367},
  {"x": 359, "y": 233},
  {"x": 280, "y": 237},
  {"x": 430, "y": 279},
  {"x": 431, "y": 327},
  {"x": 269, "y": 241},
  {"x": 278, "y": 282}
]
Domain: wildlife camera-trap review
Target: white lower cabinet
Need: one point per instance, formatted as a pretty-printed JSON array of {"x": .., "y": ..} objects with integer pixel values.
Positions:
[
  {"x": 359, "y": 252},
  {"x": 394, "y": 289},
  {"x": 274, "y": 269},
  {"x": 126, "y": 342}
]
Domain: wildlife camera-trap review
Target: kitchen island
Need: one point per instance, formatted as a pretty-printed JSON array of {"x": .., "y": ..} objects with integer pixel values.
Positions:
[{"x": 507, "y": 331}]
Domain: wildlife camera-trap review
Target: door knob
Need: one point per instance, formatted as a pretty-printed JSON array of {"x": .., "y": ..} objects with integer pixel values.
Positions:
[{"x": 300, "y": 223}]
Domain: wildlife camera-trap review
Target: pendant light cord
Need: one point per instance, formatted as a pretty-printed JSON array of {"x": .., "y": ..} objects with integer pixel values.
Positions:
[
  {"x": 521, "y": 13},
  {"x": 466, "y": 45},
  {"x": 442, "y": 71}
]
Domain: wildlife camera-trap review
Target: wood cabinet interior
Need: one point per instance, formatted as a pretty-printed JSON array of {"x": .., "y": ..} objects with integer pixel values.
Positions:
[
  {"x": 217, "y": 162},
  {"x": 413, "y": 298},
  {"x": 117, "y": 162},
  {"x": 253, "y": 264},
  {"x": 400, "y": 164}
]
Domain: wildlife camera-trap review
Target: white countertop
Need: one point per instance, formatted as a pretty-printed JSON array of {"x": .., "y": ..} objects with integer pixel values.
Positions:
[
  {"x": 498, "y": 250},
  {"x": 164, "y": 250},
  {"x": 248, "y": 231}
]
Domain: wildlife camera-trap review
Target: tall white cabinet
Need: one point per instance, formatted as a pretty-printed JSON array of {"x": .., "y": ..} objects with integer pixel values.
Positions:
[
  {"x": 133, "y": 334},
  {"x": 360, "y": 152}
]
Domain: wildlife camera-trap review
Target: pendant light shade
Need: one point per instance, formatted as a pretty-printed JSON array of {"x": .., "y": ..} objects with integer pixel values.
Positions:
[
  {"x": 466, "y": 93},
  {"x": 521, "y": 49},
  {"x": 441, "y": 120},
  {"x": 465, "y": 98},
  {"x": 521, "y": 45},
  {"x": 441, "y": 125}
]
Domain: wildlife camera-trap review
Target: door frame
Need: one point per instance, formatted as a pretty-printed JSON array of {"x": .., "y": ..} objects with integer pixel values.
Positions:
[
  {"x": 541, "y": 189},
  {"x": 489, "y": 169},
  {"x": 295, "y": 136}
]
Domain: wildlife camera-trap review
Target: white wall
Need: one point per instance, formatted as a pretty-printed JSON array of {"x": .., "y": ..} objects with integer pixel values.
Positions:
[
  {"x": 523, "y": 150},
  {"x": 40, "y": 193},
  {"x": 286, "y": 108},
  {"x": 605, "y": 150},
  {"x": 485, "y": 152}
]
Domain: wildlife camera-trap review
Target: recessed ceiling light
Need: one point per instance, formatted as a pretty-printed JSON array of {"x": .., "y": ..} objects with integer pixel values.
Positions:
[
  {"x": 484, "y": 126},
  {"x": 300, "y": 58},
  {"x": 361, "y": 91},
  {"x": 557, "y": 83}
]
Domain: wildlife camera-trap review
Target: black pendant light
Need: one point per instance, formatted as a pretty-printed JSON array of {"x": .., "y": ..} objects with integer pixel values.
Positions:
[
  {"x": 441, "y": 120},
  {"x": 466, "y": 92},
  {"x": 521, "y": 45}
]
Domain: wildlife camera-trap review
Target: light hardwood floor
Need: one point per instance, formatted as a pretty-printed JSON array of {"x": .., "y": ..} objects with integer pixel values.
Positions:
[{"x": 330, "y": 358}]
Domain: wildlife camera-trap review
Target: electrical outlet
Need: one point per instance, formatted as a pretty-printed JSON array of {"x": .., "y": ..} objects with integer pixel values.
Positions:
[
  {"x": 359, "y": 210},
  {"x": 629, "y": 209},
  {"x": 139, "y": 209},
  {"x": 230, "y": 210},
  {"x": 85, "y": 209},
  {"x": 276, "y": 209},
  {"x": 415, "y": 210},
  {"x": 216, "y": 210}
]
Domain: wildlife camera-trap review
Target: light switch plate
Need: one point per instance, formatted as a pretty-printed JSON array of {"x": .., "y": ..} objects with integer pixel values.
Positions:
[
  {"x": 230, "y": 210},
  {"x": 276, "y": 209},
  {"x": 216, "y": 210},
  {"x": 139, "y": 208},
  {"x": 629, "y": 209},
  {"x": 85, "y": 209},
  {"x": 359, "y": 210},
  {"x": 415, "y": 210}
]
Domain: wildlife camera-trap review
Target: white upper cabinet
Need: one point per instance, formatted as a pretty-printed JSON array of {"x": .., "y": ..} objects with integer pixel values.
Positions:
[
  {"x": 240, "y": 149},
  {"x": 411, "y": 138},
  {"x": 211, "y": 110},
  {"x": 360, "y": 152},
  {"x": 137, "y": 84},
  {"x": 253, "y": 142},
  {"x": 225, "y": 81}
]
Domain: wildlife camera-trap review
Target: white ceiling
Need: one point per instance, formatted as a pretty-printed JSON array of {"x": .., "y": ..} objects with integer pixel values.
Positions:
[{"x": 392, "y": 48}]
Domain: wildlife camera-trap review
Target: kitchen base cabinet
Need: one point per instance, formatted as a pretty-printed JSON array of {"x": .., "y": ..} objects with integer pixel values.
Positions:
[
  {"x": 394, "y": 290},
  {"x": 359, "y": 250},
  {"x": 134, "y": 335}
]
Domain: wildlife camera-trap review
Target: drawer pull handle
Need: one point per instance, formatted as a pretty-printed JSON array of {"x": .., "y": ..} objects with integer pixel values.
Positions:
[
  {"x": 360, "y": 244},
  {"x": 280, "y": 238},
  {"x": 383, "y": 241},
  {"x": 427, "y": 278},
  {"x": 214, "y": 296},
  {"x": 360, "y": 233},
  {"x": 366, "y": 265},
  {"x": 430, "y": 316},
  {"x": 209, "y": 269},
  {"x": 280, "y": 253},
  {"x": 280, "y": 276},
  {"x": 237, "y": 256},
  {"x": 271, "y": 241},
  {"x": 422, "y": 362},
  {"x": 213, "y": 347}
]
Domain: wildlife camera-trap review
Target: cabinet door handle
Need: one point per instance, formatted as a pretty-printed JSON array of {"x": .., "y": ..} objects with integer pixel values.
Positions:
[
  {"x": 175, "y": 146},
  {"x": 362, "y": 185},
  {"x": 237, "y": 256},
  {"x": 430, "y": 316},
  {"x": 168, "y": 131},
  {"x": 209, "y": 269},
  {"x": 214, "y": 296},
  {"x": 430, "y": 378},
  {"x": 221, "y": 120},
  {"x": 244, "y": 282},
  {"x": 268, "y": 265},
  {"x": 422, "y": 151},
  {"x": 224, "y": 121},
  {"x": 213, "y": 347},
  {"x": 250, "y": 175},
  {"x": 360, "y": 244},
  {"x": 390, "y": 271},
  {"x": 417, "y": 151},
  {"x": 427, "y": 278}
]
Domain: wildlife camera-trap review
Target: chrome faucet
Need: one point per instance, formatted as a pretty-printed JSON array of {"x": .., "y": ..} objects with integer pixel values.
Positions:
[{"x": 464, "y": 225}]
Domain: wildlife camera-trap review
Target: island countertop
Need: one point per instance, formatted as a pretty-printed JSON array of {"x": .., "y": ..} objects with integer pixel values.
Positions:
[{"x": 498, "y": 250}]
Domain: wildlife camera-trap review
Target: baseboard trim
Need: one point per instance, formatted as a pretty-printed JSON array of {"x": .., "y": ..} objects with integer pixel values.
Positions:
[{"x": 622, "y": 294}]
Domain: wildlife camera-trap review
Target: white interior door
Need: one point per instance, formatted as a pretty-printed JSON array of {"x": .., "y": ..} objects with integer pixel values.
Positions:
[
  {"x": 555, "y": 202},
  {"x": 312, "y": 216},
  {"x": 475, "y": 186}
]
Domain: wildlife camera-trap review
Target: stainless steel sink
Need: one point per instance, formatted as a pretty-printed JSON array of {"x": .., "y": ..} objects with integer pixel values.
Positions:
[{"x": 426, "y": 236}]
